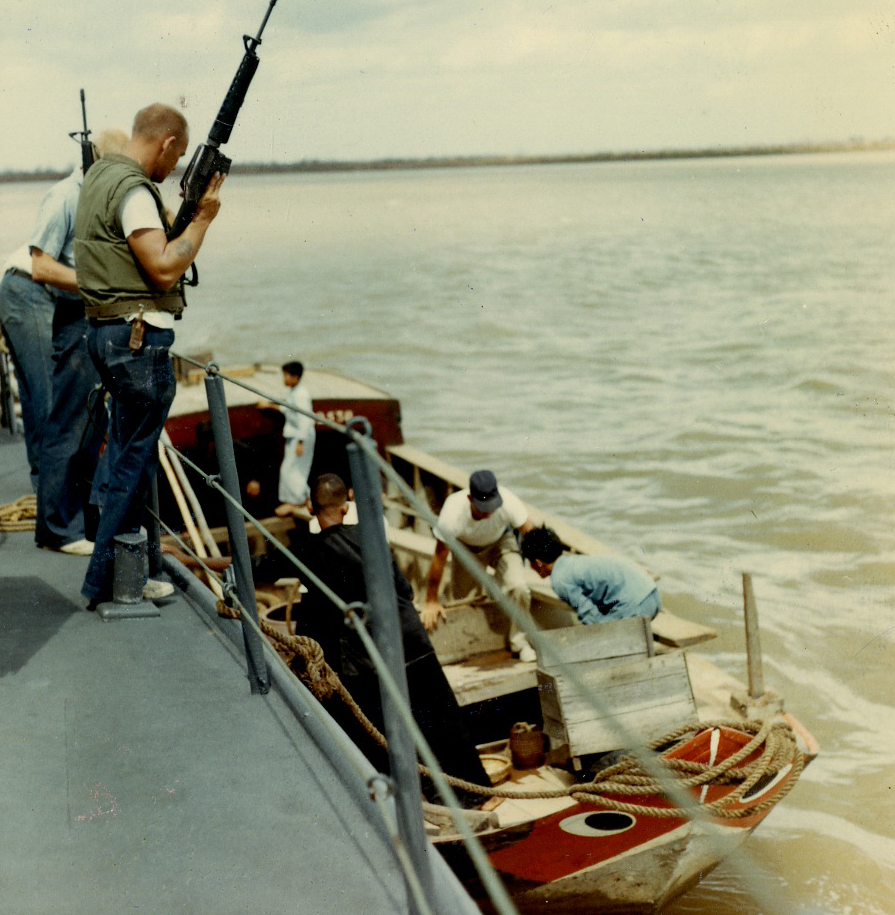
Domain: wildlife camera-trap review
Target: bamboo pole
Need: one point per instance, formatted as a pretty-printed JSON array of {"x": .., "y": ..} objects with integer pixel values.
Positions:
[
  {"x": 192, "y": 498},
  {"x": 193, "y": 532}
]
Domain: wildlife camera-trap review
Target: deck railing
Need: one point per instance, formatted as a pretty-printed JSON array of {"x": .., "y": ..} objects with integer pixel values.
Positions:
[
  {"x": 403, "y": 736},
  {"x": 385, "y": 650}
]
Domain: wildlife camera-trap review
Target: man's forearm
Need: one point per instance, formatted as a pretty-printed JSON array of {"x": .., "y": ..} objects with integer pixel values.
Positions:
[
  {"x": 436, "y": 571},
  {"x": 46, "y": 269}
]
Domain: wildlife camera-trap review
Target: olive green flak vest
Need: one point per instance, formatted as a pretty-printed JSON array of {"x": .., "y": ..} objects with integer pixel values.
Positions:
[{"x": 111, "y": 280}]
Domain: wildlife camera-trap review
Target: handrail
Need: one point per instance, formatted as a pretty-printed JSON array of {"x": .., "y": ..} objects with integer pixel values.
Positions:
[
  {"x": 646, "y": 756},
  {"x": 495, "y": 889}
]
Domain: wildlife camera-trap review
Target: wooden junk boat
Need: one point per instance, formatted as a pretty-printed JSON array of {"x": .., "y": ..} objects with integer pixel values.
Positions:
[{"x": 573, "y": 824}]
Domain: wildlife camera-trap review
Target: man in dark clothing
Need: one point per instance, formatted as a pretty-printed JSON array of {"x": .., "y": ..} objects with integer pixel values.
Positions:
[{"x": 334, "y": 555}]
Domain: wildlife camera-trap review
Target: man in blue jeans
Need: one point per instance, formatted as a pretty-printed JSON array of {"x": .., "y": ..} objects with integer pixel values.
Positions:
[
  {"x": 599, "y": 587},
  {"x": 26, "y": 315},
  {"x": 75, "y": 425},
  {"x": 128, "y": 273}
]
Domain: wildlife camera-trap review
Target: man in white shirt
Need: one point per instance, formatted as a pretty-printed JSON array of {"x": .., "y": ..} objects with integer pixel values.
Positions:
[{"x": 484, "y": 519}]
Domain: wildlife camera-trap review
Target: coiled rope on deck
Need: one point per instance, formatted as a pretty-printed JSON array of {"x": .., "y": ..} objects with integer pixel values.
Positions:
[
  {"x": 774, "y": 738},
  {"x": 20, "y": 515}
]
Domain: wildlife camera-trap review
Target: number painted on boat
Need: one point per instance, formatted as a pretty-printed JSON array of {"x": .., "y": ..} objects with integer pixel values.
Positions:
[{"x": 339, "y": 416}]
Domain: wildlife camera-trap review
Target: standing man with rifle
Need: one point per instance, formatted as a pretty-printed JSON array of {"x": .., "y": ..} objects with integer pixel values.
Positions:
[
  {"x": 128, "y": 271},
  {"x": 130, "y": 266}
]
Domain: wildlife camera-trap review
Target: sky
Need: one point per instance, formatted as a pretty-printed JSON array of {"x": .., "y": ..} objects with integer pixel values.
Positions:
[{"x": 353, "y": 80}]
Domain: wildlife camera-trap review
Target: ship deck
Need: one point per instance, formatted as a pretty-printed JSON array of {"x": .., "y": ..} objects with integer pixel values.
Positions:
[{"x": 141, "y": 774}]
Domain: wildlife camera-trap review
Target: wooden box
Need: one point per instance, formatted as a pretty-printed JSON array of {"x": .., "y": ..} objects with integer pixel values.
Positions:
[{"x": 629, "y": 693}]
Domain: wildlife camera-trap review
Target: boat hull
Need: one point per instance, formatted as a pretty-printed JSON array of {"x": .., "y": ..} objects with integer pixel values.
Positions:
[{"x": 591, "y": 858}]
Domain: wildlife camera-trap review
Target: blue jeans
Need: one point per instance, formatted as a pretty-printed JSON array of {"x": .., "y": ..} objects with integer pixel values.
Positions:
[
  {"x": 73, "y": 433},
  {"x": 26, "y": 314},
  {"x": 142, "y": 387}
]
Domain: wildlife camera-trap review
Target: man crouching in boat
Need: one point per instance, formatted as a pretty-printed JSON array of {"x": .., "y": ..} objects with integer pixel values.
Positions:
[
  {"x": 128, "y": 273},
  {"x": 603, "y": 587},
  {"x": 334, "y": 555},
  {"x": 483, "y": 519}
]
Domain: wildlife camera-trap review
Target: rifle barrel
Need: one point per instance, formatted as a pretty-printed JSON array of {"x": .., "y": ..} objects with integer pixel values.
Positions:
[{"x": 264, "y": 23}]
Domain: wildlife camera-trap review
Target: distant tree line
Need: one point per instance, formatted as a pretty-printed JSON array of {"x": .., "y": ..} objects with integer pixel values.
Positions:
[{"x": 316, "y": 165}]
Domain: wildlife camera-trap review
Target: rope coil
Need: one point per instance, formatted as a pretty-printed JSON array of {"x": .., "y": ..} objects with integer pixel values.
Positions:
[
  {"x": 774, "y": 738},
  {"x": 20, "y": 515}
]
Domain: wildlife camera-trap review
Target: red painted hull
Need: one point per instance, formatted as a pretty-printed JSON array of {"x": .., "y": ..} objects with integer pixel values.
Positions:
[{"x": 589, "y": 858}]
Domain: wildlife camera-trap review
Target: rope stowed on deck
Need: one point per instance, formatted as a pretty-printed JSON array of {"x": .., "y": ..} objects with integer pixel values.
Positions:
[
  {"x": 20, "y": 515},
  {"x": 774, "y": 739}
]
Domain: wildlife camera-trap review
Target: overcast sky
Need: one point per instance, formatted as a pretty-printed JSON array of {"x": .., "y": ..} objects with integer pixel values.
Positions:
[{"x": 361, "y": 79}]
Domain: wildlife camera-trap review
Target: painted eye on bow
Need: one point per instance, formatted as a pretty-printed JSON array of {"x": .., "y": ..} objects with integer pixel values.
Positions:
[
  {"x": 599, "y": 824},
  {"x": 766, "y": 783}
]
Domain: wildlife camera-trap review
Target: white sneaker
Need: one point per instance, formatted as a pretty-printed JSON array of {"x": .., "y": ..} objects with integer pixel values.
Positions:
[
  {"x": 156, "y": 590},
  {"x": 77, "y": 548}
]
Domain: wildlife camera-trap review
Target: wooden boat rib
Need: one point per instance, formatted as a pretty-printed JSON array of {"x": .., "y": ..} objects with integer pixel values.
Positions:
[{"x": 569, "y": 851}]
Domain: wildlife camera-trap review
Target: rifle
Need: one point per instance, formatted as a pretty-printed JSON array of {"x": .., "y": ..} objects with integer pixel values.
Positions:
[
  {"x": 88, "y": 154},
  {"x": 208, "y": 158}
]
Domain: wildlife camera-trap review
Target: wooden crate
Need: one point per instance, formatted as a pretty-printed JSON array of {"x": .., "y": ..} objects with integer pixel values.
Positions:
[{"x": 644, "y": 694}]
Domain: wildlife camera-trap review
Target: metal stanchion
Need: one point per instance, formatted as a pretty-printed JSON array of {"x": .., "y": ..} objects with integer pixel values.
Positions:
[
  {"x": 239, "y": 542},
  {"x": 386, "y": 631},
  {"x": 153, "y": 532}
]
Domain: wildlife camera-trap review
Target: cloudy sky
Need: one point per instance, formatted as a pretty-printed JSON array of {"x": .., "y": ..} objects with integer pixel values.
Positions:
[{"x": 361, "y": 79}]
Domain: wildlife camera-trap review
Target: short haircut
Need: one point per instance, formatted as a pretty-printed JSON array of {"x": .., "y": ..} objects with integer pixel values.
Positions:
[
  {"x": 158, "y": 120},
  {"x": 110, "y": 141},
  {"x": 293, "y": 368},
  {"x": 328, "y": 490},
  {"x": 542, "y": 543}
]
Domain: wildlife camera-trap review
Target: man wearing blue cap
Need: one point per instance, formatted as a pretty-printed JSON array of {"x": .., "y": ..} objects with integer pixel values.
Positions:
[{"x": 484, "y": 519}]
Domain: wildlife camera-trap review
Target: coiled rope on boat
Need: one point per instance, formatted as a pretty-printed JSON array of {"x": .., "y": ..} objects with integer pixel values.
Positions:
[
  {"x": 773, "y": 739},
  {"x": 20, "y": 515}
]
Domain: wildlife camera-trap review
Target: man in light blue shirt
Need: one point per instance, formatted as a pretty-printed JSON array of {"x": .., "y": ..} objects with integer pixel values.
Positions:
[{"x": 602, "y": 587}]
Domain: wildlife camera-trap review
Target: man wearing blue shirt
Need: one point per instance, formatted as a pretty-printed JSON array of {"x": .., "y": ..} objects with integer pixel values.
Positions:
[
  {"x": 71, "y": 438},
  {"x": 601, "y": 587}
]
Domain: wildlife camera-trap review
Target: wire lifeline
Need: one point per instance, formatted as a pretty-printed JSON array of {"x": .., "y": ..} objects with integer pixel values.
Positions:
[
  {"x": 626, "y": 778},
  {"x": 643, "y": 754},
  {"x": 494, "y": 887}
]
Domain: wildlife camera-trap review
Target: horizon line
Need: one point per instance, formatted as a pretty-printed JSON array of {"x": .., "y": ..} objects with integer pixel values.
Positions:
[{"x": 458, "y": 161}]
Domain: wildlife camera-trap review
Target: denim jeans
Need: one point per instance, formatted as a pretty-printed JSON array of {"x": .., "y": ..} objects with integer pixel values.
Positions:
[
  {"x": 26, "y": 314},
  {"x": 73, "y": 433},
  {"x": 142, "y": 387}
]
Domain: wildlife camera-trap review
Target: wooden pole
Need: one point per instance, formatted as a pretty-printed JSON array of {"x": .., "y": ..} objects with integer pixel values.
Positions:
[
  {"x": 191, "y": 528},
  {"x": 192, "y": 498},
  {"x": 753, "y": 643}
]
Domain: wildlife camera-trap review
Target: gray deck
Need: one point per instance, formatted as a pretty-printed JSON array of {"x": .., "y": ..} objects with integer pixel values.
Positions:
[{"x": 140, "y": 773}]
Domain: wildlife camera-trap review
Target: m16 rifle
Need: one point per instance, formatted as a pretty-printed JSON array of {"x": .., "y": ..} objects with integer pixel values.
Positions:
[
  {"x": 208, "y": 159},
  {"x": 88, "y": 153}
]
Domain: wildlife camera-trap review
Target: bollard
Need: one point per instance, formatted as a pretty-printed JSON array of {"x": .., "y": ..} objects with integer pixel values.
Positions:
[
  {"x": 127, "y": 584},
  {"x": 130, "y": 564}
]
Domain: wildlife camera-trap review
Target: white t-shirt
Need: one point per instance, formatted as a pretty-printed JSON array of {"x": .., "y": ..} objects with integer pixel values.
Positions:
[
  {"x": 138, "y": 210},
  {"x": 456, "y": 518}
]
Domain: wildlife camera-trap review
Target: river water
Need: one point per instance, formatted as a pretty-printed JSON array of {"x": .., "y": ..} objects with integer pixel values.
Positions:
[{"x": 691, "y": 360}]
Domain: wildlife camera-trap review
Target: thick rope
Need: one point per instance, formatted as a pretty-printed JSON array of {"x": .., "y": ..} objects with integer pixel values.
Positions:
[
  {"x": 775, "y": 738},
  {"x": 20, "y": 515}
]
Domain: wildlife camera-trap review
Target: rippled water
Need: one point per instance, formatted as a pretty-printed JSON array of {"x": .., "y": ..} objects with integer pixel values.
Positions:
[{"x": 691, "y": 360}]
